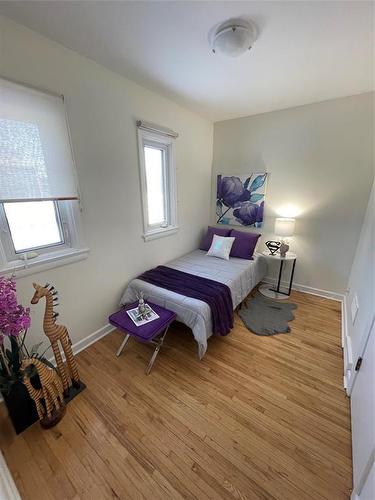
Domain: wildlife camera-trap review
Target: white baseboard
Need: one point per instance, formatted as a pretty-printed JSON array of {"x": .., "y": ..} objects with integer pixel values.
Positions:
[
  {"x": 346, "y": 345},
  {"x": 308, "y": 289},
  {"x": 345, "y": 339},
  {"x": 92, "y": 338},
  {"x": 87, "y": 341},
  {"x": 8, "y": 489}
]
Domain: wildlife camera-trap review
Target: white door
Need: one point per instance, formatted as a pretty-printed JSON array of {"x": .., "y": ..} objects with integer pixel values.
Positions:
[
  {"x": 363, "y": 421},
  {"x": 368, "y": 490}
]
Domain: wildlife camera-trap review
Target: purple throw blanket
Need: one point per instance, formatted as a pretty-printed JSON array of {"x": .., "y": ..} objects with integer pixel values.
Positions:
[{"x": 215, "y": 294}]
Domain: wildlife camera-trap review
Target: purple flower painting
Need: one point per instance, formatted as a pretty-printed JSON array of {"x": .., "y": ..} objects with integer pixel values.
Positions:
[{"x": 240, "y": 199}]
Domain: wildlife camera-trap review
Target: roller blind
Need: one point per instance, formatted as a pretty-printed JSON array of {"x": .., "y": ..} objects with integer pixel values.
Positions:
[
  {"x": 36, "y": 160},
  {"x": 151, "y": 127}
]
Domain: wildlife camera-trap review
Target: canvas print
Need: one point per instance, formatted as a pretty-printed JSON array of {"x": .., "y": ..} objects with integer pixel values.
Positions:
[{"x": 240, "y": 199}]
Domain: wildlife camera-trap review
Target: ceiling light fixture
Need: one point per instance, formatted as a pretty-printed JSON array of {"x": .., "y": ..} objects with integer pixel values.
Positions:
[{"x": 233, "y": 38}]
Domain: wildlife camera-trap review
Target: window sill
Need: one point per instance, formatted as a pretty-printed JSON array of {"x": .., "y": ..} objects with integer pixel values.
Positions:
[
  {"x": 44, "y": 262},
  {"x": 160, "y": 233}
]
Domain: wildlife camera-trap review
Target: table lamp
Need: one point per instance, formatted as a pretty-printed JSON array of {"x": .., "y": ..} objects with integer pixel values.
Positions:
[{"x": 284, "y": 228}]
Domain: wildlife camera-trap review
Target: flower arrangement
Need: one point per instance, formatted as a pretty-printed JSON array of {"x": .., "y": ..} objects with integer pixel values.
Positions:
[{"x": 14, "y": 323}]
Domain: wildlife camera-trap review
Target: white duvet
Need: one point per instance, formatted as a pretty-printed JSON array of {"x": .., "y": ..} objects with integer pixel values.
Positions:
[{"x": 240, "y": 275}]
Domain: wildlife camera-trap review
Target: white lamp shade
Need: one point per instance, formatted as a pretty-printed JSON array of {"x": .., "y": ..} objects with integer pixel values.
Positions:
[{"x": 284, "y": 226}]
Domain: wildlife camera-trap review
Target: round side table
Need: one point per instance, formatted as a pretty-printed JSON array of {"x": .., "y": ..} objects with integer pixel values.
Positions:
[{"x": 276, "y": 293}]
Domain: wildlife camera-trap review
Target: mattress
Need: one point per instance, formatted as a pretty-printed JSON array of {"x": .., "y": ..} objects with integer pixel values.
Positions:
[{"x": 240, "y": 275}]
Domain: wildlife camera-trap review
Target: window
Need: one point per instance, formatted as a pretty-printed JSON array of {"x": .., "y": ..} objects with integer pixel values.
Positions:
[
  {"x": 39, "y": 212},
  {"x": 28, "y": 226},
  {"x": 158, "y": 184}
]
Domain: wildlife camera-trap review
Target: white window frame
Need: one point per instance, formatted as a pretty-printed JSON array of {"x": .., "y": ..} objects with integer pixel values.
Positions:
[
  {"x": 167, "y": 145},
  {"x": 48, "y": 257},
  {"x": 44, "y": 257},
  {"x": 7, "y": 240}
]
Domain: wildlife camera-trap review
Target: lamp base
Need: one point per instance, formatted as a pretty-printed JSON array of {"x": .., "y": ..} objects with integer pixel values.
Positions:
[{"x": 284, "y": 247}]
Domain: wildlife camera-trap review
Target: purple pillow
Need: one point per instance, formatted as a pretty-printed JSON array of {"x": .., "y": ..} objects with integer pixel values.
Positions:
[
  {"x": 244, "y": 245},
  {"x": 207, "y": 240}
]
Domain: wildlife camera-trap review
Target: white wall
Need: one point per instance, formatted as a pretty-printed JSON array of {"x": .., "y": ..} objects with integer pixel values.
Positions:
[
  {"x": 102, "y": 109},
  {"x": 320, "y": 159},
  {"x": 361, "y": 284}
]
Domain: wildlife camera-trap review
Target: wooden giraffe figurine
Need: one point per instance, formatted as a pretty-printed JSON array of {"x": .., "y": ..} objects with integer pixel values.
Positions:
[
  {"x": 57, "y": 333},
  {"x": 49, "y": 398}
]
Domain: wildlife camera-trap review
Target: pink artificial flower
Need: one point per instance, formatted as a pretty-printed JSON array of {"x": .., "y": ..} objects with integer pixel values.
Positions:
[{"x": 14, "y": 318}]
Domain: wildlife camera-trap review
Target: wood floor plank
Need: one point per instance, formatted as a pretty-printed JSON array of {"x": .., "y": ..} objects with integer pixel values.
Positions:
[{"x": 258, "y": 418}]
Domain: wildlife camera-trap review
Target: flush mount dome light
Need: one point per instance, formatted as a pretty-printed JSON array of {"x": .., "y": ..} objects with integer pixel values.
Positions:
[{"x": 233, "y": 37}]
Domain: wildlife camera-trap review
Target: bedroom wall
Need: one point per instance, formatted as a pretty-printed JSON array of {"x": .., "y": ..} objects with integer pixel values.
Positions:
[
  {"x": 361, "y": 289},
  {"x": 102, "y": 109},
  {"x": 321, "y": 162}
]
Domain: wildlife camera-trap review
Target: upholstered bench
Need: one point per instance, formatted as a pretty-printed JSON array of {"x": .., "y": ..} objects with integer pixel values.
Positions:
[{"x": 153, "y": 332}]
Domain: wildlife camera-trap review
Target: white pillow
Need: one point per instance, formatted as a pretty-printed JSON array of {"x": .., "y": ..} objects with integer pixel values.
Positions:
[{"x": 221, "y": 247}]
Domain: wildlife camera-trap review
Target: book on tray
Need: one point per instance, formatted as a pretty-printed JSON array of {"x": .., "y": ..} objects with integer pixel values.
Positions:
[{"x": 144, "y": 318}]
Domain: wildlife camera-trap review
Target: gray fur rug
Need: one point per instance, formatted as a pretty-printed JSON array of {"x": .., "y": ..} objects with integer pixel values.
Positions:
[{"x": 264, "y": 316}]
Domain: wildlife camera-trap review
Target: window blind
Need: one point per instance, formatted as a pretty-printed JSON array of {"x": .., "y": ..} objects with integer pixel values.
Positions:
[
  {"x": 151, "y": 127},
  {"x": 36, "y": 160}
]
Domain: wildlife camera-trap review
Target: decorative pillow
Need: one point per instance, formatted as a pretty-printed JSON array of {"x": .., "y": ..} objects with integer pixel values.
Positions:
[
  {"x": 207, "y": 240},
  {"x": 244, "y": 244},
  {"x": 221, "y": 247}
]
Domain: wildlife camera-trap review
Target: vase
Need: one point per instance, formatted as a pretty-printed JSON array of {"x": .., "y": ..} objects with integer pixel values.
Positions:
[
  {"x": 21, "y": 408},
  {"x": 141, "y": 307}
]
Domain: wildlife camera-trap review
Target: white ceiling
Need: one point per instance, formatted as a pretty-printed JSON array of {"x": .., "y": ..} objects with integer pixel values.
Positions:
[{"x": 306, "y": 51}]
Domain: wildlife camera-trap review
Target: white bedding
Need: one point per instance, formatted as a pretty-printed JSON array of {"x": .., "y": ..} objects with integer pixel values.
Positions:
[{"x": 240, "y": 275}]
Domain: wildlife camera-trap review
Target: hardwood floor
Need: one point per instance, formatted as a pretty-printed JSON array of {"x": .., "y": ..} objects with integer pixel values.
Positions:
[{"x": 258, "y": 418}]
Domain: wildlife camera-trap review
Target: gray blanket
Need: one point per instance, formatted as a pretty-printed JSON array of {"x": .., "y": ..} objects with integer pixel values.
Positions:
[{"x": 239, "y": 274}]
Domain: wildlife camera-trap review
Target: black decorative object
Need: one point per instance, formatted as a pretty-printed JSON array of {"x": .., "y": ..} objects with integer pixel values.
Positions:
[
  {"x": 21, "y": 408},
  {"x": 273, "y": 246}
]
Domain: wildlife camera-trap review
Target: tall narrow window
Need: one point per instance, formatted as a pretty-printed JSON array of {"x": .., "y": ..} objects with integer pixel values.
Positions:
[
  {"x": 157, "y": 169},
  {"x": 155, "y": 185}
]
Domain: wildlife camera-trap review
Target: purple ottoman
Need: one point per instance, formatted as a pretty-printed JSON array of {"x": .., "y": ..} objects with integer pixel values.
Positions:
[{"x": 153, "y": 332}]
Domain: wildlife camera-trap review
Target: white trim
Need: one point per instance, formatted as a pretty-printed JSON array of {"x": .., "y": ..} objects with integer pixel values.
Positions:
[
  {"x": 8, "y": 488},
  {"x": 344, "y": 326},
  {"x": 160, "y": 232},
  {"x": 170, "y": 184},
  {"x": 84, "y": 343},
  {"x": 345, "y": 339},
  {"x": 92, "y": 338},
  {"x": 308, "y": 289},
  {"x": 352, "y": 376},
  {"x": 62, "y": 222},
  {"x": 44, "y": 262},
  {"x": 346, "y": 344}
]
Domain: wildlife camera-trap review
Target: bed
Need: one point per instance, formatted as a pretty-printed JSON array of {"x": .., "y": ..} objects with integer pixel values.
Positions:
[{"x": 240, "y": 275}]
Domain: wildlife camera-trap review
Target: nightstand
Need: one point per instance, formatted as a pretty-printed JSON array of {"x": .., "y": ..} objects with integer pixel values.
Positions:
[{"x": 276, "y": 293}]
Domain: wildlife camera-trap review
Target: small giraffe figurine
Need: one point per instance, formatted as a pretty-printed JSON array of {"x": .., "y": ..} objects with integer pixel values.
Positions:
[
  {"x": 51, "y": 391},
  {"x": 57, "y": 333}
]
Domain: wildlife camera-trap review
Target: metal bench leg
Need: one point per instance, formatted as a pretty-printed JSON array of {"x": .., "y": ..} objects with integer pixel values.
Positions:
[
  {"x": 123, "y": 344},
  {"x": 152, "y": 360},
  {"x": 156, "y": 352}
]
